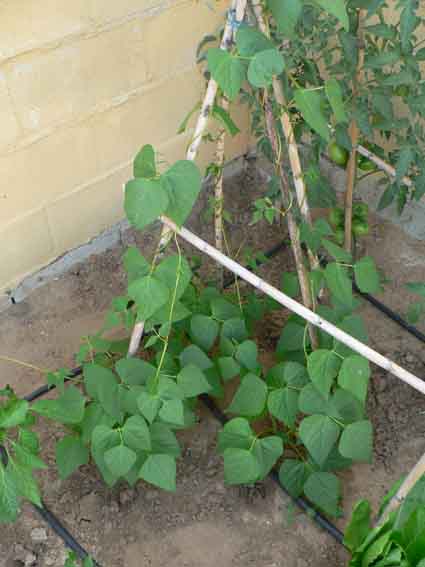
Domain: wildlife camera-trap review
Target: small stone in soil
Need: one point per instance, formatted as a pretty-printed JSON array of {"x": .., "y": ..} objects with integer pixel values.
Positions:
[
  {"x": 38, "y": 535},
  {"x": 30, "y": 559},
  {"x": 113, "y": 507},
  {"x": 252, "y": 491},
  {"x": 150, "y": 495},
  {"x": 127, "y": 496}
]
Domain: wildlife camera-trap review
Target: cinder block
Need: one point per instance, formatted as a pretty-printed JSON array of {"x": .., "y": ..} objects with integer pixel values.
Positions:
[
  {"x": 173, "y": 36},
  {"x": 103, "y": 11},
  {"x": 48, "y": 87},
  {"x": 79, "y": 216},
  {"x": 40, "y": 172},
  {"x": 9, "y": 130},
  {"x": 114, "y": 62},
  {"x": 152, "y": 117},
  {"x": 26, "y": 25},
  {"x": 26, "y": 245},
  {"x": 55, "y": 86}
]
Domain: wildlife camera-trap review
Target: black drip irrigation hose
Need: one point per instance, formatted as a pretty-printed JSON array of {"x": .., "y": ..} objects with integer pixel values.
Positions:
[
  {"x": 316, "y": 516},
  {"x": 63, "y": 533},
  {"x": 391, "y": 314},
  {"x": 43, "y": 390},
  {"x": 55, "y": 524},
  {"x": 73, "y": 544}
]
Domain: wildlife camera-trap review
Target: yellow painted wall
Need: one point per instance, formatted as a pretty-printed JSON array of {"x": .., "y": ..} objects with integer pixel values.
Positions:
[{"x": 83, "y": 85}]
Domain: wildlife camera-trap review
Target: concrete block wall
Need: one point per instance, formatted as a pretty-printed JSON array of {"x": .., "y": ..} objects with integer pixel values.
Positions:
[{"x": 83, "y": 85}]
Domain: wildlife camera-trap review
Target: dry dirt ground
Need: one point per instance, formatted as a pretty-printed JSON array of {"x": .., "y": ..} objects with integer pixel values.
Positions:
[{"x": 205, "y": 523}]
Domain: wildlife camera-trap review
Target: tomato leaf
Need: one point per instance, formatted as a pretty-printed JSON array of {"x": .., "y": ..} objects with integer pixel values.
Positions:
[{"x": 309, "y": 103}]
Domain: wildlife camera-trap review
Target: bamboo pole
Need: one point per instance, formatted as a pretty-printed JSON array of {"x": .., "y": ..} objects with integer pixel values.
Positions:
[
  {"x": 354, "y": 136},
  {"x": 293, "y": 153},
  {"x": 409, "y": 482},
  {"x": 298, "y": 308},
  {"x": 351, "y": 182},
  {"x": 237, "y": 11},
  {"x": 383, "y": 165},
  {"x": 219, "y": 194},
  {"x": 292, "y": 225}
]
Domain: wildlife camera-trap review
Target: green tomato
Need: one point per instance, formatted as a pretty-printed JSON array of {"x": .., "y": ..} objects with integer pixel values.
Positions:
[
  {"x": 360, "y": 228},
  {"x": 336, "y": 217},
  {"x": 402, "y": 90},
  {"x": 338, "y": 154},
  {"x": 339, "y": 236},
  {"x": 366, "y": 164},
  {"x": 360, "y": 211}
]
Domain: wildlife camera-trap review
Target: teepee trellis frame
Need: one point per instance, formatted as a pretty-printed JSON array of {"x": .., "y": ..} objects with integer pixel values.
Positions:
[{"x": 236, "y": 15}]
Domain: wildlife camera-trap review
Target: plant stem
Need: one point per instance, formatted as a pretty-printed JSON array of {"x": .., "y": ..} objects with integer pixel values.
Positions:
[
  {"x": 237, "y": 286},
  {"x": 21, "y": 363},
  {"x": 170, "y": 317},
  {"x": 298, "y": 308},
  {"x": 368, "y": 174},
  {"x": 354, "y": 136}
]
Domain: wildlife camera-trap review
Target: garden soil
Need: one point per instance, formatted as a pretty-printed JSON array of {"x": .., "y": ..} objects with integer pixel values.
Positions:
[{"x": 205, "y": 523}]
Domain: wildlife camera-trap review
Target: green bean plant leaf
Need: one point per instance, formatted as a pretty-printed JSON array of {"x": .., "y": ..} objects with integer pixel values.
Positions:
[
  {"x": 227, "y": 70},
  {"x": 145, "y": 201}
]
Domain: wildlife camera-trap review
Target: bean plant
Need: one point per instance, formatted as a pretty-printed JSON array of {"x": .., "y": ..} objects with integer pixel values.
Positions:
[
  {"x": 125, "y": 413},
  {"x": 305, "y": 414}
]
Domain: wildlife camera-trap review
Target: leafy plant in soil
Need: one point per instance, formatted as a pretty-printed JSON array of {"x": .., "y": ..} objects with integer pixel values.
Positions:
[
  {"x": 305, "y": 413},
  {"x": 72, "y": 561},
  {"x": 398, "y": 540}
]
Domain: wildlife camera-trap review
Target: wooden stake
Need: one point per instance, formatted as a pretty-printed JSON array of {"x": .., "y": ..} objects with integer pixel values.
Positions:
[
  {"x": 412, "y": 478},
  {"x": 219, "y": 195},
  {"x": 383, "y": 165}
]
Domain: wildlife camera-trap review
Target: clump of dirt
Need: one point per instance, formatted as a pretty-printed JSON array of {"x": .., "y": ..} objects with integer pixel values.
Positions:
[{"x": 205, "y": 522}]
